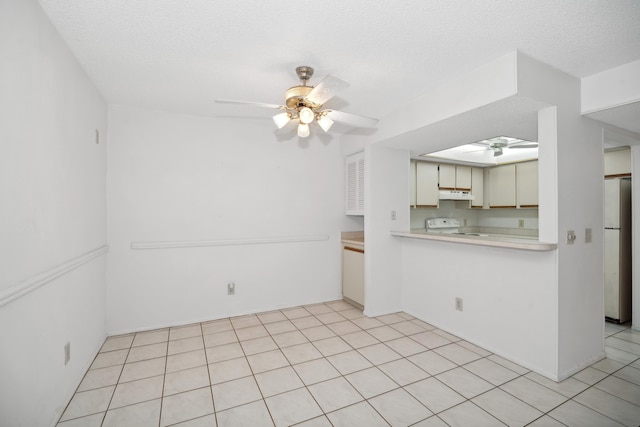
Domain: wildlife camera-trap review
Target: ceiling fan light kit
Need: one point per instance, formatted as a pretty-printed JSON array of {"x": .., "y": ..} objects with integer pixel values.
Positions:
[{"x": 305, "y": 104}]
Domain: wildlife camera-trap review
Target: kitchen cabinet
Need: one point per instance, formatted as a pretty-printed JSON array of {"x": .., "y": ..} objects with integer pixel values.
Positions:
[
  {"x": 427, "y": 184},
  {"x": 617, "y": 163},
  {"x": 527, "y": 184},
  {"x": 454, "y": 177},
  {"x": 354, "y": 197},
  {"x": 353, "y": 272},
  {"x": 502, "y": 186},
  {"x": 477, "y": 187}
]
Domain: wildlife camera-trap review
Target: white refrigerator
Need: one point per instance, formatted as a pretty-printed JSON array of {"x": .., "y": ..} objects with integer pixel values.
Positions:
[{"x": 617, "y": 249}]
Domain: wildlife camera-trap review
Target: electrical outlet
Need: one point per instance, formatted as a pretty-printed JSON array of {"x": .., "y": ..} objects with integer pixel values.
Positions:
[
  {"x": 393, "y": 215},
  {"x": 67, "y": 352},
  {"x": 231, "y": 288},
  {"x": 587, "y": 235},
  {"x": 521, "y": 223},
  {"x": 458, "y": 304},
  {"x": 571, "y": 237}
]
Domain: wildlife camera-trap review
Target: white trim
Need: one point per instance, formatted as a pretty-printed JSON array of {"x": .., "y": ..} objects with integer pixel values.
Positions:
[
  {"x": 33, "y": 283},
  {"x": 225, "y": 242}
]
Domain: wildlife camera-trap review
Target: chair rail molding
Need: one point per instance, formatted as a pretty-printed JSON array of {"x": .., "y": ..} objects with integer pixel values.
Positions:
[{"x": 227, "y": 242}]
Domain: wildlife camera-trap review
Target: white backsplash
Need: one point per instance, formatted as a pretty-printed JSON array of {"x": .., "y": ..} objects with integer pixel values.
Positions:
[{"x": 489, "y": 218}]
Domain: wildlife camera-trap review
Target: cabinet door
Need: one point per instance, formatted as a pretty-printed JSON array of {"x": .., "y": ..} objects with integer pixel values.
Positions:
[
  {"x": 463, "y": 178},
  {"x": 412, "y": 183},
  {"x": 527, "y": 184},
  {"x": 354, "y": 201},
  {"x": 447, "y": 177},
  {"x": 617, "y": 163},
  {"x": 477, "y": 187},
  {"x": 353, "y": 274},
  {"x": 427, "y": 184},
  {"x": 502, "y": 186}
]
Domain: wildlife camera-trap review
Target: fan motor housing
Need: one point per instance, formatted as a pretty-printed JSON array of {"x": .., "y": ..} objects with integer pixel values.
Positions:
[{"x": 295, "y": 97}]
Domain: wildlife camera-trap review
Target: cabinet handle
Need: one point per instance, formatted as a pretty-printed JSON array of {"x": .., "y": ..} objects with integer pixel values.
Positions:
[{"x": 354, "y": 249}]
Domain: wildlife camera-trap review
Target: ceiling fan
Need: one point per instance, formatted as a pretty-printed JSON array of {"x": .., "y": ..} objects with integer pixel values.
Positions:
[
  {"x": 499, "y": 143},
  {"x": 304, "y": 104}
]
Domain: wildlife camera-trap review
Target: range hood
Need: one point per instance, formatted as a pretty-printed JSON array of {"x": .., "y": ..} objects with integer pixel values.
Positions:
[{"x": 455, "y": 195}]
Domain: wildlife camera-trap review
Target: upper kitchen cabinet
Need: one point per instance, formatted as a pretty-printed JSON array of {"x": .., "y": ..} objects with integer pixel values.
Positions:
[
  {"x": 354, "y": 200},
  {"x": 477, "y": 187},
  {"x": 426, "y": 185},
  {"x": 454, "y": 177},
  {"x": 527, "y": 184},
  {"x": 502, "y": 186},
  {"x": 617, "y": 163}
]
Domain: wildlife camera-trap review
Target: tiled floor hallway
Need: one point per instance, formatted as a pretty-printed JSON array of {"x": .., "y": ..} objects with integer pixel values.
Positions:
[{"x": 327, "y": 364}]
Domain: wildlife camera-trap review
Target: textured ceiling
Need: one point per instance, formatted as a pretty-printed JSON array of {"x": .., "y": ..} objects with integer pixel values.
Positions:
[{"x": 180, "y": 55}]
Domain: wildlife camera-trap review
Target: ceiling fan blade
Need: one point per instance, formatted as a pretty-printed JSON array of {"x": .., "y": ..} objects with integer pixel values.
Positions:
[
  {"x": 326, "y": 89},
  {"x": 351, "y": 119},
  {"x": 253, "y": 104}
]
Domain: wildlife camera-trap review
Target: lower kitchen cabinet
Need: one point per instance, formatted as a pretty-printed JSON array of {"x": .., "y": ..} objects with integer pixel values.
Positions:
[{"x": 353, "y": 273}]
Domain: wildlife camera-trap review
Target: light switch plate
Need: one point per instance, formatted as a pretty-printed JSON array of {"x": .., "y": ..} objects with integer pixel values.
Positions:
[{"x": 587, "y": 235}]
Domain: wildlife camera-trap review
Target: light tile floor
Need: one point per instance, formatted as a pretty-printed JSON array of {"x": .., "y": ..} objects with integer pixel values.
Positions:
[{"x": 327, "y": 364}]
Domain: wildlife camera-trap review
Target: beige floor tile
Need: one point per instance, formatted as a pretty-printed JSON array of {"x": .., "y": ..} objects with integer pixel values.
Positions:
[
  {"x": 318, "y": 333},
  {"x": 367, "y": 322},
  {"x": 371, "y": 382},
  {"x": 110, "y": 358},
  {"x": 146, "y": 352},
  {"x": 315, "y": 371},
  {"x": 137, "y": 391},
  {"x": 235, "y": 393},
  {"x": 151, "y": 337},
  {"x": 434, "y": 395},
  {"x": 191, "y": 359},
  {"x": 340, "y": 305},
  {"x": 621, "y": 388},
  {"x": 254, "y": 414},
  {"x": 349, "y": 362},
  {"x": 546, "y": 421},
  {"x": 185, "y": 345},
  {"x": 478, "y": 350},
  {"x": 278, "y": 381},
  {"x": 328, "y": 318},
  {"x": 403, "y": 372},
  {"x": 344, "y": 327},
  {"x": 360, "y": 339},
  {"x": 144, "y": 369},
  {"x": 306, "y": 322},
  {"x": 507, "y": 408},
  {"x": 491, "y": 371},
  {"x": 384, "y": 333},
  {"x": 446, "y": 335},
  {"x": 334, "y": 394},
  {"x": 624, "y": 345},
  {"x": 224, "y": 352},
  {"x": 360, "y": 414},
  {"x": 607, "y": 404},
  {"x": 280, "y": 327},
  {"x": 427, "y": 326},
  {"x": 119, "y": 342},
  {"x": 289, "y": 339},
  {"x": 205, "y": 421},
  {"x": 352, "y": 313},
  {"x": 407, "y": 327},
  {"x": 186, "y": 380},
  {"x": 294, "y": 313},
  {"x": 229, "y": 370},
  {"x": 508, "y": 364},
  {"x": 432, "y": 362},
  {"x": 619, "y": 355},
  {"x": 214, "y": 326},
  {"x": 98, "y": 378},
  {"x": 220, "y": 338},
  {"x": 245, "y": 321},
  {"x": 379, "y": 354},
  {"x": 271, "y": 317},
  {"x": 569, "y": 387},
  {"x": 574, "y": 414},
  {"x": 534, "y": 394},
  {"x": 433, "y": 421},
  {"x": 406, "y": 346},
  {"x": 389, "y": 319},
  {"x": 457, "y": 354},
  {"x": 608, "y": 365},
  {"x": 301, "y": 353},
  {"x": 94, "y": 420},
  {"x": 251, "y": 332},
  {"x": 318, "y": 308},
  {"x": 464, "y": 382},
  {"x": 331, "y": 346},
  {"x": 186, "y": 406},
  {"x": 258, "y": 345},
  {"x": 321, "y": 421},
  {"x": 430, "y": 339},
  {"x": 146, "y": 414},
  {"x": 589, "y": 376},
  {"x": 88, "y": 403},
  {"x": 266, "y": 361},
  {"x": 293, "y": 407},
  {"x": 399, "y": 408},
  {"x": 468, "y": 414},
  {"x": 630, "y": 374},
  {"x": 188, "y": 331}
]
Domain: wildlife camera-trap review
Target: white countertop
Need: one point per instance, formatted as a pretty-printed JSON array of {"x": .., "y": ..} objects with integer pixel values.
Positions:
[{"x": 500, "y": 241}]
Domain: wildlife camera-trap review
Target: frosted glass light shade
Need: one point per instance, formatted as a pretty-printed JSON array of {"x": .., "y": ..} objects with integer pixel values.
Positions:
[
  {"x": 306, "y": 115},
  {"x": 325, "y": 123},
  {"x": 281, "y": 119},
  {"x": 303, "y": 130}
]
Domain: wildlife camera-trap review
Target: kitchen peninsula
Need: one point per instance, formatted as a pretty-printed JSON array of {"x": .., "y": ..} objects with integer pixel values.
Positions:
[{"x": 500, "y": 241}]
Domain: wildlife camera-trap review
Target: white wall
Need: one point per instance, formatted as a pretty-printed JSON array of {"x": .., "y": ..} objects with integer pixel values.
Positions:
[
  {"x": 52, "y": 199},
  {"x": 191, "y": 179},
  {"x": 611, "y": 88}
]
